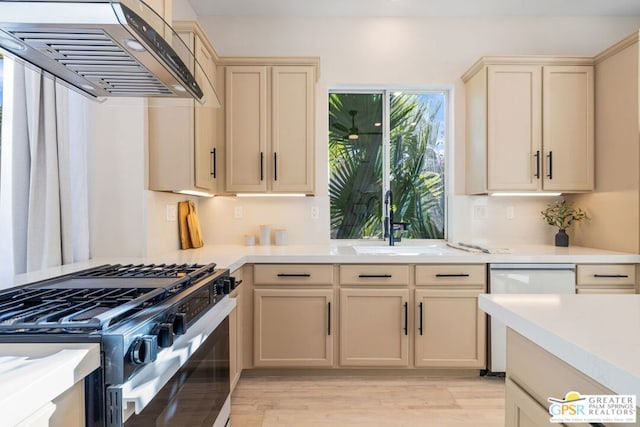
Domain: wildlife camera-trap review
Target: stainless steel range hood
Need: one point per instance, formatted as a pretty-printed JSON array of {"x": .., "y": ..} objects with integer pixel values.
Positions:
[{"x": 103, "y": 48}]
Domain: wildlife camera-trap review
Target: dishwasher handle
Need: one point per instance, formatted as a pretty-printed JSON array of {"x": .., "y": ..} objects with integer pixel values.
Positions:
[{"x": 570, "y": 267}]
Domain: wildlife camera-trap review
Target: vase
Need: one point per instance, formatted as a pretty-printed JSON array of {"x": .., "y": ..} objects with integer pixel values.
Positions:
[{"x": 562, "y": 238}]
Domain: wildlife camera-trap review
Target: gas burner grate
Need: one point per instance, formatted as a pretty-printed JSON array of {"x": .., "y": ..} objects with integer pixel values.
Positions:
[
  {"x": 77, "y": 309},
  {"x": 148, "y": 270}
]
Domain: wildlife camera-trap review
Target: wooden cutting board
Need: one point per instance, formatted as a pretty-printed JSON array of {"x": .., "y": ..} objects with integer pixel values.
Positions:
[
  {"x": 183, "y": 227},
  {"x": 193, "y": 223}
]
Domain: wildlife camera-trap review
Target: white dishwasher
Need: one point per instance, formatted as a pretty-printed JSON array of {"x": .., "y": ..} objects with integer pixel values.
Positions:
[{"x": 523, "y": 279}]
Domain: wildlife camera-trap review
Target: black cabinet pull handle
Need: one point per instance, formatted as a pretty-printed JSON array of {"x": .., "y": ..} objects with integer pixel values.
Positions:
[
  {"x": 275, "y": 166},
  {"x": 261, "y": 166},
  {"x": 420, "y": 325},
  {"x": 550, "y": 156},
  {"x": 373, "y": 276},
  {"x": 213, "y": 161},
  {"x": 406, "y": 318},
  {"x": 537, "y": 156},
  {"x": 294, "y": 275},
  {"x": 452, "y": 275},
  {"x": 611, "y": 275},
  {"x": 329, "y": 318}
]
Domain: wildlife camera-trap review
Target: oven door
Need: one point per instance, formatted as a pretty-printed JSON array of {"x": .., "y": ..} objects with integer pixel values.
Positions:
[
  {"x": 196, "y": 395},
  {"x": 187, "y": 385}
]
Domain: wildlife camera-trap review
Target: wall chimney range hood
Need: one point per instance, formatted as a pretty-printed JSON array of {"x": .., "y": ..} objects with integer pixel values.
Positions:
[{"x": 103, "y": 48}]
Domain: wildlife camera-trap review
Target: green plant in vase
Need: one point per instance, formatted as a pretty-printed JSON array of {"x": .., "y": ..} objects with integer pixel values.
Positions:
[{"x": 562, "y": 215}]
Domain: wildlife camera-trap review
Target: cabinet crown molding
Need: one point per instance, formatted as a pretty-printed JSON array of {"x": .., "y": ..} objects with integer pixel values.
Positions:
[
  {"x": 630, "y": 40},
  {"x": 194, "y": 27},
  {"x": 525, "y": 60},
  {"x": 313, "y": 61}
]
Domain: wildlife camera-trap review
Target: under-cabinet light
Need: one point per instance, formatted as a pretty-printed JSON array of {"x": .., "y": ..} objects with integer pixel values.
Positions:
[
  {"x": 525, "y": 194},
  {"x": 194, "y": 193},
  {"x": 271, "y": 195}
]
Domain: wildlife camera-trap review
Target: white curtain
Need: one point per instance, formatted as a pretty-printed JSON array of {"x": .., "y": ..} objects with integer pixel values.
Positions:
[{"x": 43, "y": 181}]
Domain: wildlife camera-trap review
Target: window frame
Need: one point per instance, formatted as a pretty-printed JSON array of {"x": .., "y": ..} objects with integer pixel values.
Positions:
[{"x": 386, "y": 92}]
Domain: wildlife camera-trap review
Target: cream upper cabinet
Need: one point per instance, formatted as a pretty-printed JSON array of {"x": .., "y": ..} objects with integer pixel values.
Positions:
[
  {"x": 183, "y": 148},
  {"x": 269, "y": 128},
  {"x": 246, "y": 128},
  {"x": 568, "y": 128},
  {"x": 530, "y": 125},
  {"x": 164, "y": 8}
]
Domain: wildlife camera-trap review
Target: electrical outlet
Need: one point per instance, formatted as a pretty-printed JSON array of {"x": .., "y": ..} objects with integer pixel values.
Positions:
[
  {"x": 315, "y": 212},
  {"x": 171, "y": 212},
  {"x": 479, "y": 212},
  {"x": 237, "y": 212},
  {"x": 510, "y": 212}
]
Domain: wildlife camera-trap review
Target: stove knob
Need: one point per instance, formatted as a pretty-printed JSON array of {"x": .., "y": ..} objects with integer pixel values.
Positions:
[
  {"x": 144, "y": 350},
  {"x": 165, "y": 335},
  {"x": 226, "y": 286},
  {"x": 219, "y": 288},
  {"x": 180, "y": 323}
]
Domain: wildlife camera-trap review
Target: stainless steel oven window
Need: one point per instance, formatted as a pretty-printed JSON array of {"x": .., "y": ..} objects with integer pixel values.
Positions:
[{"x": 196, "y": 394}]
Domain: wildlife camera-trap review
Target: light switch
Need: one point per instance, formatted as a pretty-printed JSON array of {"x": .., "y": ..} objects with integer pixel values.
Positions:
[
  {"x": 237, "y": 212},
  {"x": 171, "y": 212},
  {"x": 315, "y": 212}
]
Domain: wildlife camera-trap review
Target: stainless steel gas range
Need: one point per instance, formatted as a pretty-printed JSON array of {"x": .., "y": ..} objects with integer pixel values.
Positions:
[{"x": 163, "y": 331}]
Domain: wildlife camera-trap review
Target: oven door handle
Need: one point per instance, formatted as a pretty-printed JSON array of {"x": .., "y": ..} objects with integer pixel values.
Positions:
[{"x": 150, "y": 379}]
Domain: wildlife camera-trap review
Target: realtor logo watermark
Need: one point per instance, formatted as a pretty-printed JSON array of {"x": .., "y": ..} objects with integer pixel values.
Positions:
[{"x": 593, "y": 408}]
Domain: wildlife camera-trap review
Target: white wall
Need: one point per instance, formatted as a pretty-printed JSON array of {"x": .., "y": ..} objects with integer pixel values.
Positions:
[
  {"x": 400, "y": 52},
  {"x": 127, "y": 220}
]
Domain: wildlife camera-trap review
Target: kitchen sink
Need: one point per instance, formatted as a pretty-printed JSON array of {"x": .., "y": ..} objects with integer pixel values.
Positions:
[{"x": 399, "y": 250}]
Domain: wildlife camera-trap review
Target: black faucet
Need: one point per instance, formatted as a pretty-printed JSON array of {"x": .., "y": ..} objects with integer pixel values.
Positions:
[
  {"x": 388, "y": 219},
  {"x": 390, "y": 226}
]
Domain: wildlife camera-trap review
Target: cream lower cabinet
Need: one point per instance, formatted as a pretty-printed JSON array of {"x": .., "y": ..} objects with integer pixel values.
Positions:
[
  {"x": 293, "y": 327},
  {"x": 606, "y": 279},
  {"x": 374, "y": 329},
  {"x": 269, "y": 128},
  {"x": 236, "y": 330},
  {"x": 521, "y": 410},
  {"x": 450, "y": 329}
]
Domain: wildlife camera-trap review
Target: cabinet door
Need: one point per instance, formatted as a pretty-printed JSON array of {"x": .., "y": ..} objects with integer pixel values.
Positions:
[
  {"x": 171, "y": 127},
  {"x": 246, "y": 128},
  {"x": 568, "y": 128},
  {"x": 374, "y": 327},
  {"x": 522, "y": 410},
  {"x": 293, "y": 327},
  {"x": 450, "y": 329},
  {"x": 292, "y": 118},
  {"x": 206, "y": 167},
  {"x": 514, "y": 122}
]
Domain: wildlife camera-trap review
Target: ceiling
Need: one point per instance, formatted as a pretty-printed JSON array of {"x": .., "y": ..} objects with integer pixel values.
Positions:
[{"x": 353, "y": 8}]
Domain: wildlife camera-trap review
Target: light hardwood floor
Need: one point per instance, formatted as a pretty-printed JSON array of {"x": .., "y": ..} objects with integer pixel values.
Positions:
[{"x": 367, "y": 401}]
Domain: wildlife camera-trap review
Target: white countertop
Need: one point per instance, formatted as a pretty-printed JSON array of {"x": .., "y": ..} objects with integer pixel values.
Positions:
[
  {"x": 45, "y": 371},
  {"x": 599, "y": 335},
  {"x": 350, "y": 252},
  {"x": 33, "y": 374}
]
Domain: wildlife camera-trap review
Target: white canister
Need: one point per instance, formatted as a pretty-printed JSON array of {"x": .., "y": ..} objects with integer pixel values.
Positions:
[
  {"x": 265, "y": 235},
  {"x": 249, "y": 240},
  {"x": 280, "y": 237}
]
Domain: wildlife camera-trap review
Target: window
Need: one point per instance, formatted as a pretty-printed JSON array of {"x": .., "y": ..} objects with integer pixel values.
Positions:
[{"x": 381, "y": 141}]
